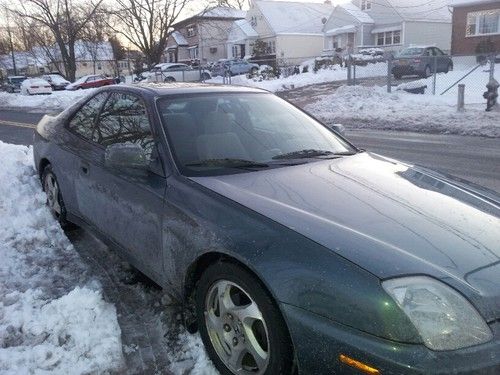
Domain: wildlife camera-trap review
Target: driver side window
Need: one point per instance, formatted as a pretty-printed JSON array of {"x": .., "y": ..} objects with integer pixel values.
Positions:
[{"x": 124, "y": 120}]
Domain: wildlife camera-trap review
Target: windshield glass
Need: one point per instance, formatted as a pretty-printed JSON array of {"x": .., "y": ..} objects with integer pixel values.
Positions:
[
  {"x": 411, "y": 52},
  {"x": 17, "y": 79},
  {"x": 215, "y": 133}
]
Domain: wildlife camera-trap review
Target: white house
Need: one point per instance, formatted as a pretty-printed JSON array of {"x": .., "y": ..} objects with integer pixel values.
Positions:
[
  {"x": 293, "y": 31},
  {"x": 388, "y": 24},
  {"x": 240, "y": 39}
]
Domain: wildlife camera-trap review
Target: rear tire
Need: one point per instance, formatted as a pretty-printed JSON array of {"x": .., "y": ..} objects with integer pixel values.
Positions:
[
  {"x": 427, "y": 72},
  {"x": 449, "y": 68},
  {"x": 398, "y": 76},
  {"x": 234, "y": 312},
  {"x": 55, "y": 201},
  {"x": 169, "y": 79}
]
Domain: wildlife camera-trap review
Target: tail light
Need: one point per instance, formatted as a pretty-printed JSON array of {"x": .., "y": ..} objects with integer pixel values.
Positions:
[{"x": 416, "y": 61}]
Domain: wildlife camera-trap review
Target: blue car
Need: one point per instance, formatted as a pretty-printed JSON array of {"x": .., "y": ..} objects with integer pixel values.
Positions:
[{"x": 292, "y": 250}]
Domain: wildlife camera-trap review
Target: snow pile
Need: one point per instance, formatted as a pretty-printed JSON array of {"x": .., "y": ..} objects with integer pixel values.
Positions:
[
  {"x": 336, "y": 73},
  {"x": 373, "y": 107},
  {"x": 57, "y": 101},
  {"x": 53, "y": 318}
]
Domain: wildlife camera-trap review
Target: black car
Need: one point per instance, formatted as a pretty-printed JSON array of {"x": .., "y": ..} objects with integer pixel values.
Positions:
[
  {"x": 57, "y": 81},
  {"x": 293, "y": 250},
  {"x": 13, "y": 83},
  {"x": 421, "y": 61}
]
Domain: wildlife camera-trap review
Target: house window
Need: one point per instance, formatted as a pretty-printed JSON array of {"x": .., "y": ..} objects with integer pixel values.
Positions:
[
  {"x": 99, "y": 66},
  {"x": 191, "y": 31},
  {"x": 366, "y": 4},
  {"x": 193, "y": 53},
  {"x": 396, "y": 37},
  {"x": 234, "y": 51},
  {"x": 380, "y": 39},
  {"x": 483, "y": 23},
  {"x": 388, "y": 38}
]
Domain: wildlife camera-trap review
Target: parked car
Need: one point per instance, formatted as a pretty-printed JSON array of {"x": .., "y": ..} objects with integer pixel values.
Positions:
[
  {"x": 234, "y": 67},
  {"x": 91, "y": 81},
  {"x": 56, "y": 81},
  {"x": 421, "y": 61},
  {"x": 172, "y": 72},
  {"x": 291, "y": 248},
  {"x": 13, "y": 83},
  {"x": 35, "y": 86}
]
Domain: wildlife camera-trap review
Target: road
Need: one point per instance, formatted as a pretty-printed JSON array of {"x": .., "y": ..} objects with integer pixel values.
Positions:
[{"x": 476, "y": 159}]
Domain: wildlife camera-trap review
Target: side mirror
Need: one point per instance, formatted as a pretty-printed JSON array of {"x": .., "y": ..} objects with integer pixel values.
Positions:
[
  {"x": 338, "y": 128},
  {"x": 126, "y": 155}
]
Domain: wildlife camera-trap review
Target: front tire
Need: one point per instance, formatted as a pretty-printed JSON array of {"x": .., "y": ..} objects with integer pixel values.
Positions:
[
  {"x": 169, "y": 79},
  {"x": 55, "y": 201},
  {"x": 427, "y": 72},
  {"x": 242, "y": 329}
]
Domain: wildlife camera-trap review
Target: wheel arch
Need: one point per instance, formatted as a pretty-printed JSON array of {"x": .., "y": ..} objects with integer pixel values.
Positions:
[{"x": 195, "y": 270}]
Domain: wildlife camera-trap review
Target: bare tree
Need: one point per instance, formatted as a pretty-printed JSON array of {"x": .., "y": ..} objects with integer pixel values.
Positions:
[
  {"x": 64, "y": 20},
  {"x": 238, "y": 4},
  {"x": 146, "y": 24}
]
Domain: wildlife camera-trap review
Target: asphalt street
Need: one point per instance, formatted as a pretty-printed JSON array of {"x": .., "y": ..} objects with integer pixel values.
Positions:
[{"x": 476, "y": 159}]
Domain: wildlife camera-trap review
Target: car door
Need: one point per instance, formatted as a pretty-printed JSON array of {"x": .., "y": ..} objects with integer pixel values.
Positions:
[
  {"x": 442, "y": 60},
  {"x": 125, "y": 204}
]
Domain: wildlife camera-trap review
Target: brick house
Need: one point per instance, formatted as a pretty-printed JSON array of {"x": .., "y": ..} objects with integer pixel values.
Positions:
[{"x": 475, "y": 21}]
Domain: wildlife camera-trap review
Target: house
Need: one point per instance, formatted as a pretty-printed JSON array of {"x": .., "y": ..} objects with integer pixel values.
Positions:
[
  {"x": 292, "y": 31},
  {"x": 240, "y": 40},
  {"x": 388, "y": 24},
  {"x": 475, "y": 22},
  {"x": 203, "y": 37}
]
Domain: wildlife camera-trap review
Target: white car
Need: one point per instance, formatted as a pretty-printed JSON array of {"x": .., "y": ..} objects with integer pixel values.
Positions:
[
  {"x": 35, "y": 86},
  {"x": 172, "y": 72}
]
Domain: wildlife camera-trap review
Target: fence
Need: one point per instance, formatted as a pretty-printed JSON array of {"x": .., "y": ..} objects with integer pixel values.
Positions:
[{"x": 441, "y": 76}]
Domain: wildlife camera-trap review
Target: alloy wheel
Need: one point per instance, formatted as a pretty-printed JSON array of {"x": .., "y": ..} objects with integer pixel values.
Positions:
[
  {"x": 237, "y": 329},
  {"x": 52, "y": 190}
]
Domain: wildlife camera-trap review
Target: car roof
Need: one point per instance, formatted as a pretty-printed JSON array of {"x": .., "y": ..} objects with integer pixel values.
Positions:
[{"x": 176, "y": 88}]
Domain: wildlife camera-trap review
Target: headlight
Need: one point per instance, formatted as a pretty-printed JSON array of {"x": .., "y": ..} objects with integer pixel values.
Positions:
[{"x": 444, "y": 318}]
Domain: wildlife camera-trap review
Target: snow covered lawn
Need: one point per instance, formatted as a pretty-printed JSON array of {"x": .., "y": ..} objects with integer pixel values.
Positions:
[
  {"x": 374, "y": 108},
  {"x": 304, "y": 79}
]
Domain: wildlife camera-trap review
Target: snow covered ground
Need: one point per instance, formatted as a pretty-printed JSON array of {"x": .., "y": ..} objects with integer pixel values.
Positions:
[
  {"x": 374, "y": 108},
  {"x": 69, "y": 307},
  {"x": 304, "y": 79}
]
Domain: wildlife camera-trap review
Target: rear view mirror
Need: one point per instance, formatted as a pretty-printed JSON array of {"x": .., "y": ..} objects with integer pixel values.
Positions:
[
  {"x": 338, "y": 128},
  {"x": 126, "y": 155}
]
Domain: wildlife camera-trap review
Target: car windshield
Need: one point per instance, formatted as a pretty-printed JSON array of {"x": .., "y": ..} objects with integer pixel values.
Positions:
[
  {"x": 226, "y": 133},
  {"x": 57, "y": 78},
  {"x": 82, "y": 80},
  {"x": 411, "y": 52},
  {"x": 17, "y": 79}
]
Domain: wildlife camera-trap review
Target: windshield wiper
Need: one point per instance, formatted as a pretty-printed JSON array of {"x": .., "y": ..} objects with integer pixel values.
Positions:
[
  {"x": 304, "y": 154},
  {"x": 229, "y": 163}
]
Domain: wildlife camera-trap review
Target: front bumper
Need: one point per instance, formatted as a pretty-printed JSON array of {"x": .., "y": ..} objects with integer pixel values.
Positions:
[
  {"x": 319, "y": 342},
  {"x": 406, "y": 70}
]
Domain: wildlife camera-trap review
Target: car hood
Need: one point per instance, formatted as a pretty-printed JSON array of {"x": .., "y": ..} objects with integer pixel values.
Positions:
[{"x": 388, "y": 217}]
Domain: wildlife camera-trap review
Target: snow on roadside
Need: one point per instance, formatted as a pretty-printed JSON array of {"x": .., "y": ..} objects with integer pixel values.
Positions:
[
  {"x": 53, "y": 318},
  {"x": 56, "y": 101},
  {"x": 374, "y": 108},
  {"x": 336, "y": 73}
]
